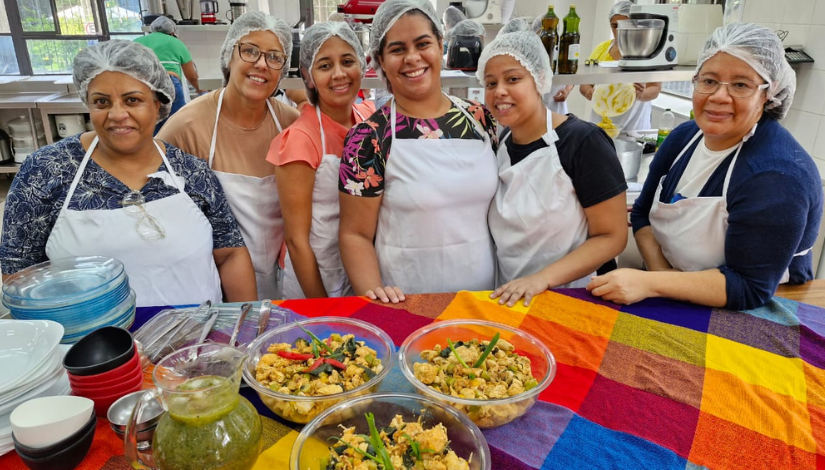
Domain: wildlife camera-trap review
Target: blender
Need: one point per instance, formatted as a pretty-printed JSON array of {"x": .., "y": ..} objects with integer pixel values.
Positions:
[
  {"x": 236, "y": 9},
  {"x": 209, "y": 10},
  {"x": 185, "y": 7}
]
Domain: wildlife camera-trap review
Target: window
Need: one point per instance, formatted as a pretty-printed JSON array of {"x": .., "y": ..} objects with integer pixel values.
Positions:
[
  {"x": 47, "y": 34},
  {"x": 324, "y": 8},
  {"x": 681, "y": 89}
]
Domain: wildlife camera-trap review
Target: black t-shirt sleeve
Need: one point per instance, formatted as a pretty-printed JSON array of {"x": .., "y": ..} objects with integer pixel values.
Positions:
[{"x": 588, "y": 156}]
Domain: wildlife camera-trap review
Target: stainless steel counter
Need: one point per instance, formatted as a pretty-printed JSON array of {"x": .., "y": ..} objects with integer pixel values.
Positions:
[{"x": 23, "y": 100}]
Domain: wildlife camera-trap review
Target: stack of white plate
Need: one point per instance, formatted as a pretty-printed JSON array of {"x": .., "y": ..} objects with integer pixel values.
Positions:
[{"x": 31, "y": 366}]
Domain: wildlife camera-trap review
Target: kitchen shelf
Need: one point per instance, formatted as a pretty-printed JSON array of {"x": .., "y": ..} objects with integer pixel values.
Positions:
[
  {"x": 64, "y": 103},
  {"x": 9, "y": 168},
  {"x": 195, "y": 27},
  {"x": 23, "y": 100}
]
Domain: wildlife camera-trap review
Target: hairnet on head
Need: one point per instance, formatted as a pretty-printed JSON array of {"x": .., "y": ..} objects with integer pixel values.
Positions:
[
  {"x": 452, "y": 16},
  {"x": 620, "y": 8},
  {"x": 314, "y": 38},
  {"x": 527, "y": 49},
  {"x": 128, "y": 58},
  {"x": 163, "y": 24},
  {"x": 385, "y": 17},
  {"x": 250, "y": 22},
  {"x": 516, "y": 24},
  {"x": 536, "y": 26},
  {"x": 760, "y": 48},
  {"x": 465, "y": 28}
]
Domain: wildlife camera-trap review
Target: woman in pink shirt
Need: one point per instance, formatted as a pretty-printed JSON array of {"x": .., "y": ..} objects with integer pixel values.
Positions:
[{"x": 307, "y": 157}]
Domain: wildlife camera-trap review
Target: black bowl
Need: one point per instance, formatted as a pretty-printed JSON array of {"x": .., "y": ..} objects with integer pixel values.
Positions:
[
  {"x": 100, "y": 351},
  {"x": 65, "y": 459},
  {"x": 38, "y": 452}
]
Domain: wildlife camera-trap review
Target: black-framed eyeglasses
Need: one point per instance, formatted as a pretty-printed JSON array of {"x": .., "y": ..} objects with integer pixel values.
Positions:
[
  {"x": 251, "y": 53},
  {"x": 737, "y": 89}
]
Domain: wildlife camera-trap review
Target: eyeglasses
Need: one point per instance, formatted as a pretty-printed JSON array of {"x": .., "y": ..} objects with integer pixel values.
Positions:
[
  {"x": 736, "y": 89},
  {"x": 251, "y": 53},
  {"x": 147, "y": 226}
]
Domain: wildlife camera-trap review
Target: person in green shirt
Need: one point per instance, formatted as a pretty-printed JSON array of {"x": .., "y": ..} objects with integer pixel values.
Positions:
[{"x": 175, "y": 58}]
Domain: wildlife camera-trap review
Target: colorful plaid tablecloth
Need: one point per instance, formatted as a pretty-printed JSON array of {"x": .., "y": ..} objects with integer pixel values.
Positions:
[{"x": 655, "y": 385}]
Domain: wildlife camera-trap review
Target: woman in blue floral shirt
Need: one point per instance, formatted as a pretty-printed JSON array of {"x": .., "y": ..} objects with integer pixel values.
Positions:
[
  {"x": 116, "y": 192},
  {"x": 418, "y": 176}
]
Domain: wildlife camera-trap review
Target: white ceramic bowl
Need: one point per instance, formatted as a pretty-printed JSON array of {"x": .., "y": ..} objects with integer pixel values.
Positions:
[{"x": 44, "y": 421}]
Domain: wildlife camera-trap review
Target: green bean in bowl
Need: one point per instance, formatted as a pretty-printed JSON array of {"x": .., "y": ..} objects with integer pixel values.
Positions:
[
  {"x": 303, "y": 368},
  {"x": 490, "y": 371}
]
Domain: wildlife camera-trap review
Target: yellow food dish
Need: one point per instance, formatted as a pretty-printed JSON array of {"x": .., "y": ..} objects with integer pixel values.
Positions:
[
  {"x": 309, "y": 369},
  {"x": 459, "y": 372},
  {"x": 406, "y": 445},
  {"x": 611, "y": 129},
  {"x": 613, "y": 99}
]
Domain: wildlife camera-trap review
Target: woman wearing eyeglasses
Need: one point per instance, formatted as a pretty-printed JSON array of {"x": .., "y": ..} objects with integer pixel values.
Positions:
[
  {"x": 732, "y": 204},
  {"x": 232, "y": 128},
  {"x": 116, "y": 192}
]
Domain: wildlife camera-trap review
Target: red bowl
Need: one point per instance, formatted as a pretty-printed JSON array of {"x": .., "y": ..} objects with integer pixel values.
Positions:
[
  {"x": 108, "y": 377},
  {"x": 102, "y": 404},
  {"x": 127, "y": 375},
  {"x": 95, "y": 392}
]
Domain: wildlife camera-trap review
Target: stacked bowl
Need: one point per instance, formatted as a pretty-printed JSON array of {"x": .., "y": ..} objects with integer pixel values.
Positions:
[
  {"x": 53, "y": 433},
  {"x": 104, "y": 366},
  {"x": 30, "y": 367},
  {"x": 81, "y": 293}
]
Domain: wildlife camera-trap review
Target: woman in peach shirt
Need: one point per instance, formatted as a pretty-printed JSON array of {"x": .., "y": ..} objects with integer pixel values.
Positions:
[{"x": 307, "y": 156}]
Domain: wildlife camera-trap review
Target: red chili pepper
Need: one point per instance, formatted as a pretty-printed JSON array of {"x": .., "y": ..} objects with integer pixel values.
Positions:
[
  {"x": 336, "y": 364},
  {"x": 294, "y": 356},
  {"x": 316, "y": 364}
]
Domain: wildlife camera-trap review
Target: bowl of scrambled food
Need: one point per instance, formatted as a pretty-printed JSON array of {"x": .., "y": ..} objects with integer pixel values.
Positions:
[
  {"x": 492, "y": 372},
  {"x": 387, "y": 431},
  {"x": 302, "y": 368}
]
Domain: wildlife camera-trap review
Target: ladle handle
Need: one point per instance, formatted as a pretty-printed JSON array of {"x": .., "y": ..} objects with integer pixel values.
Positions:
[{"x": 139, "y": 460}]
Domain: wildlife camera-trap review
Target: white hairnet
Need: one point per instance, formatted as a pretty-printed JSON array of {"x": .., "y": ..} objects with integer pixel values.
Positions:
[
  {"x": 527, "y": 49},
  {"x": 163, "y": 24},
  {"x": 620, "y": 8},
  {"x": 315, "y": 37},
  {"x": 760, "y": 48},
  {"x": 452, "y": 16},
  {"x": 385, "y": 17},
  {"x": 255, "y": 21},
  {"x": 128, "y": 58},
  {"x": 516, "y": 24},
  {"x": 536, "y": 26},
  {"x": 465, "y": 28}
]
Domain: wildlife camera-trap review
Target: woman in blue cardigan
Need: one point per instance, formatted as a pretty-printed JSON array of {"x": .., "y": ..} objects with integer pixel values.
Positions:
[{"x": 732, "y": 203}]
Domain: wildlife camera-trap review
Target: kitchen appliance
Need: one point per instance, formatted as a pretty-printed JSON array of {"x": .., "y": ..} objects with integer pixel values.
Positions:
[
  {"x": 5, "y": 146},
  {"x": 464, "y": 45},
  {"x": 69, "y": 124},
  {"x": 152, "y": 9},
  {"x": 294, "y": 58},
  {"x": 186, "y": 9},
  {"x": 483, "y": 11},
  {"x": 359, "y": 11},
  {"x": 236, "y": 9},
  {"x": 683, "y": 35},
  {"x": 209, "y": 11}
]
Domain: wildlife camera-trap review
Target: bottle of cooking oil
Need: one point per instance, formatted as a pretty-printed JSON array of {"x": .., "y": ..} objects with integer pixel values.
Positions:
[
  {"x": 569, "y": 43},
  {"x": 550, "y": 36},
  {"x": 665, "y": 126}
]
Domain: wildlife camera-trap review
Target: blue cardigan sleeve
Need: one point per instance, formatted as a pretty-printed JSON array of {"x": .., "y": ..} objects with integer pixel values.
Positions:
[{"x": 767, "y": 219}]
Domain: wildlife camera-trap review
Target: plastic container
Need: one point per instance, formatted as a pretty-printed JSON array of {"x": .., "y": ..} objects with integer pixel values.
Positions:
[{"x": 665, "y": 126}]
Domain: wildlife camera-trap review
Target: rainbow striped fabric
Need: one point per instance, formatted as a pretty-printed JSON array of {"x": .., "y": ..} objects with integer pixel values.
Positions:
[{"x": 655, "y": 385}]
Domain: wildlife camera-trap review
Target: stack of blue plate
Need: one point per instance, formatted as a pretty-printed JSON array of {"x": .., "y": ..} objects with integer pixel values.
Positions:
[{"x": 81, "y": 293}]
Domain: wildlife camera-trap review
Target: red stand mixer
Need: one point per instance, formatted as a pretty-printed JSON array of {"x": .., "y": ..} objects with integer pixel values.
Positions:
[{"x": 360, "y": 11}]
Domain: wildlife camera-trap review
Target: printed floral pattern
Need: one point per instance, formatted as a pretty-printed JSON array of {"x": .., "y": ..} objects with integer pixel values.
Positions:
[
  {"x": 39, "y": 189},
  {"x": 367, "y": 145}
]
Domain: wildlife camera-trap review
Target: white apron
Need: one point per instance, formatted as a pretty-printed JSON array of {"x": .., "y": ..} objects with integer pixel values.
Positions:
[
  {"x": 692, "y": 231},
  {"x": 254, "y": 202},
  {"x": 432, "y": 233},
  {"x": 177, "y": 269},
  {"x": 536, "y": 218},
  {"x": 323, "y": 234}
]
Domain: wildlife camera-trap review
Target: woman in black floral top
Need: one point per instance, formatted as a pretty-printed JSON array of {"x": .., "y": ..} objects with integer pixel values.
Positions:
[
  {"x": 118, "y": 193},
  {"x": 416, "y": 221}
]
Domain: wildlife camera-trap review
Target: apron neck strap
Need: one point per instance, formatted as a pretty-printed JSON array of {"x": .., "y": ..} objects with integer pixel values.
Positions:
[
  {"x": 217, "y": 119},
  {"x": 476, "y": 124},
  {"x": 730, "y": 168},
  {"x": 83, "y": 163},
  {"x": 321, "y": 126}
]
